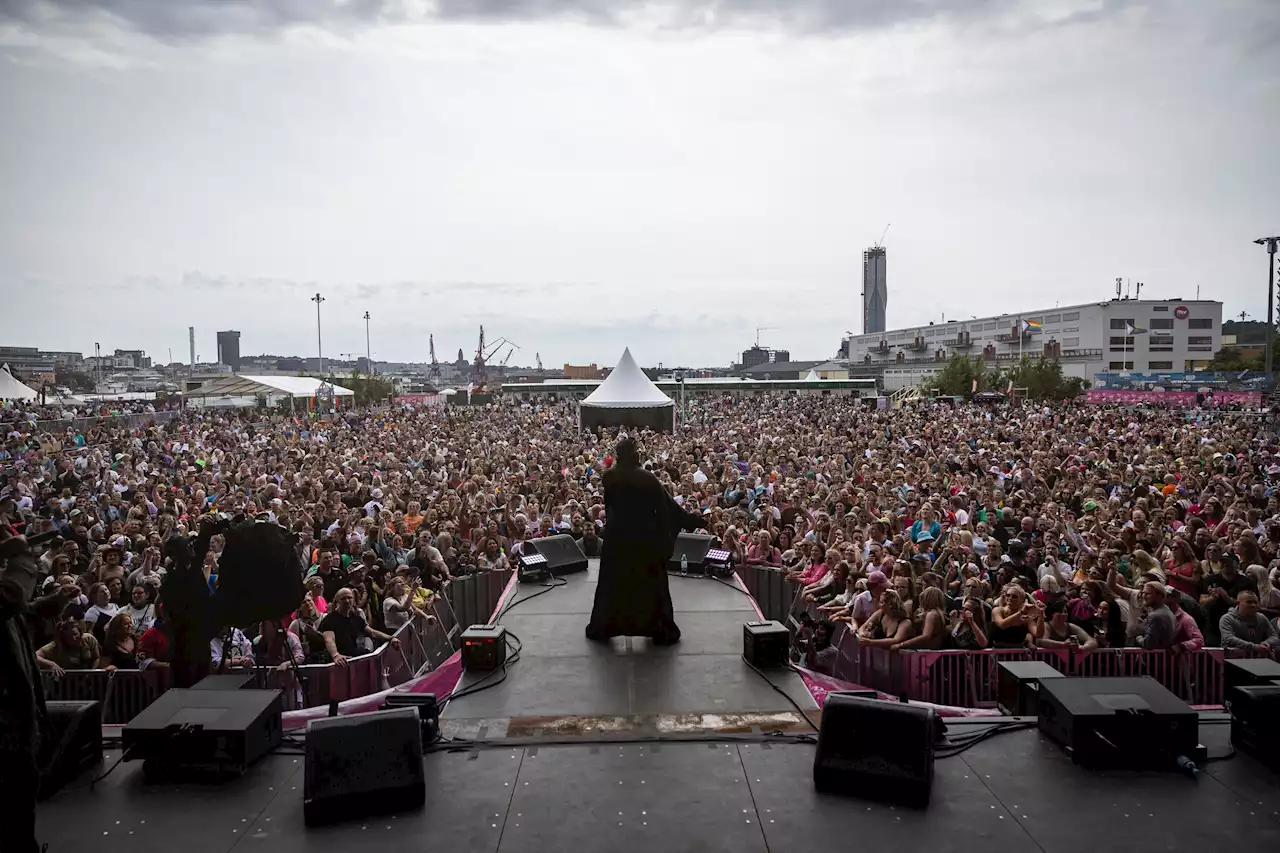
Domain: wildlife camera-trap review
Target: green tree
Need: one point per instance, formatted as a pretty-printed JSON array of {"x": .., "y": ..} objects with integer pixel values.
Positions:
[
  {"x": 957, "y": 377},
  {"x": 1042, "y": 379}
]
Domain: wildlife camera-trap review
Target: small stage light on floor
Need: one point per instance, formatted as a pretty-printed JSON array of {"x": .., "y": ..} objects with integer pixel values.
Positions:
[
  {"x": 719, "y": 563},
  {"x": 484, "y": 648},
  {"x": 766, "y": 644},
  {"x": 533, "y": 568}
]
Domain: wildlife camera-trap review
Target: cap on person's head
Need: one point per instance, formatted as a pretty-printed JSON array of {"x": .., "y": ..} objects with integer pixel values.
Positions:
[
  {"x": 877, "y": 579},
  {"x": 1156, "y": 575},
  {"x": 925, "y": 536},
  {"x": 1090, "y": 506}
]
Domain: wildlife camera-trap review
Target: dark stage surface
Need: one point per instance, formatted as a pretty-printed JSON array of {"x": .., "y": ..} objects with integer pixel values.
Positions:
[
  {"x": 1013, "y": 792},
  {"x": 561, "y": 674}
]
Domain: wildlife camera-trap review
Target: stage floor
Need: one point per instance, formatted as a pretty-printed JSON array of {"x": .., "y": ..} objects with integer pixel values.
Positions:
[
  {"x": 528, "y": 790},
  {"x": 1015, "y": 792},
  {"x": 564, "y": 682}
]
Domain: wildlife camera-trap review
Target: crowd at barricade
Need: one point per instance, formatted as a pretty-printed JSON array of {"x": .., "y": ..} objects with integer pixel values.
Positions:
[{"x": 932, "y": 527}]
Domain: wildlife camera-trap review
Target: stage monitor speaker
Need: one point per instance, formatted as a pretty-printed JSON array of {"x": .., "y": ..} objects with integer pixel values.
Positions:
[
  {"x": 1251, "y": 672},
  {"x": 1131, "y": 723},
  {"x": 875, "y": 750},
  {"x": 562, "y": 553},
  {"x": 693, "y": 548},
  {"x": 363, "y": 764},
  {"x": 766, "y": 644},
  {"x": 484, "y": 648},
  {"x": 1018, "y": 685},
  {"x": 204, "y": 734},
  {"x": 1255, "y": 709},
  {"x": 73, "y": 743}
]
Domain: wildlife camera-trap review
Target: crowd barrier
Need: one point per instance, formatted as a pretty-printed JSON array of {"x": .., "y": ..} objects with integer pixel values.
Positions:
[
  {"x": 969, "y": 679},
  {"x": 118, "y": 421},
  {"x": 423, "y": 647},
  {"x": 775, "y": 596}
]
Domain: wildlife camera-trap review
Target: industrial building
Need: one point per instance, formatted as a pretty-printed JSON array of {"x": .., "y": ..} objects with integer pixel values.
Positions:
[{"x": 1142, "y": 335}]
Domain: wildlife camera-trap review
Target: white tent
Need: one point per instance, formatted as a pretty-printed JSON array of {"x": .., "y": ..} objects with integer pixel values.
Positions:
[
  {"x": 628, "y": 398},
  {"x": 12, "y": 389},
  {"x": 813, "y": 376}
]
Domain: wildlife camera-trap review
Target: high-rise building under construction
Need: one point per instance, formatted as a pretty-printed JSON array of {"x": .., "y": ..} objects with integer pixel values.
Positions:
[{"x": 875, "y": 290}]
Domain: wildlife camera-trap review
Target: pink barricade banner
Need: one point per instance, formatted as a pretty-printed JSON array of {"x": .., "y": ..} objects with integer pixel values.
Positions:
[
  {"x": 1114, "y": 397},
  {"x": 820, "y": 685}
]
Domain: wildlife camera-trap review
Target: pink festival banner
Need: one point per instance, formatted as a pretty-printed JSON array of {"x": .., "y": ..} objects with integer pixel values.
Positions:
[{"x": 1169, "y": 398}]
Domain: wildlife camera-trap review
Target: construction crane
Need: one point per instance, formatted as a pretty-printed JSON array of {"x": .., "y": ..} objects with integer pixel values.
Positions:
[
  {"x": 480, "y": 370},
  {"x": 883, "y": 234},
  {"x": 763, "y": 329},
  {"x": 434, "y": 373},
  {"x": 503, "y": 364},
  {"x": 538, "y": 356}
]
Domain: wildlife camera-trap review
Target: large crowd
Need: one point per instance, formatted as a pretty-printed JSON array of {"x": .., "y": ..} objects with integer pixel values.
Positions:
[{"x": 928, "y": 527}]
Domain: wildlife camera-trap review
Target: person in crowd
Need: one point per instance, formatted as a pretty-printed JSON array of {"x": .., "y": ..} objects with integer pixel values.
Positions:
[
  {"x": 229, "y": 649},
  {"x": 590, "y": 541},
  {"x": 276, "y": 647},
  {"x": 1244, "y": 627},
  {"x": 969, "y": 625},
  {"x": 1187, "y": 636},
  {"x": 101, "y": 611},
  {"x": 1016, "y": 621},
  {"x": 119, "y": 648},
  {"x": 72, "y": 649},
  {"x": 890, "y": 625},
  {"x": 306, "y": 627},
  {"x": 931, "y": 624},
  {"x": 1061, "y": 633}
]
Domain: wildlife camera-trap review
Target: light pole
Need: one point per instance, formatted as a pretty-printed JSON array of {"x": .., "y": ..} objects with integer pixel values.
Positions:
[
  {"x": 1270, "y": 243},
  {"x": 368, "y": 352},
  {"x": 317, "y": 299}
]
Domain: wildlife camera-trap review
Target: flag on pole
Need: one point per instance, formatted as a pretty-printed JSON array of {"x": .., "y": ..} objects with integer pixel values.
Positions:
[
  {"x": 1032, "y": 326},
  {"x": 1131, "y": 329}
]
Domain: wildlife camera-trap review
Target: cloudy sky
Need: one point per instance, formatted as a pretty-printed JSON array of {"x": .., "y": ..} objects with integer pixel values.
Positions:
[{"x": 579, "y": 175}]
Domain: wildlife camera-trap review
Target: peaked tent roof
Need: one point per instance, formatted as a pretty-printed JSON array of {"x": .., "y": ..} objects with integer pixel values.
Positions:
[
  {"x": 627, "y": 388},
  {"x": 12, "y": 389},
  {"x": 241, "y": 384},
  {"x": 812, "y": 376}
]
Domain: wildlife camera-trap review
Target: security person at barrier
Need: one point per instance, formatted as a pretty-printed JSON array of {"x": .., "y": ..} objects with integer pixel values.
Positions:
[{"x": 344, "y": 626}]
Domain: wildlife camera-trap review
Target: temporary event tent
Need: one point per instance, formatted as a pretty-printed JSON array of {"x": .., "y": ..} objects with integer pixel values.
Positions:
[
  {"x": 12, "y": 389},
  {"x": 240, "y": 390},
  {"x": 627, "y": 398}
]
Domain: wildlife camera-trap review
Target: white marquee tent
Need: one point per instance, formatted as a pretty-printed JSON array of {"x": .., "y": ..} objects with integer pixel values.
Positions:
[
  {"x": 12, "y": 389},
  {"x": 627, "y": 398}
]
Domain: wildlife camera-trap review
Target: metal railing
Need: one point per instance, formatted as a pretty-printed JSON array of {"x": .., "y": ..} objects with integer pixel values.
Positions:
[
  {"x": 969, "y": 679},
  {"x": 423, "y": 647}
]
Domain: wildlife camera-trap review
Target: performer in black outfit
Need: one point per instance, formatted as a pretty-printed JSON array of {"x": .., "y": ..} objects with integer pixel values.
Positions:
[{"x": 642, "y": 523}]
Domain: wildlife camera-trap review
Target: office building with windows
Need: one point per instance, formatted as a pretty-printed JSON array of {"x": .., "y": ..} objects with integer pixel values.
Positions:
[{"x": 1141, "y": 335}]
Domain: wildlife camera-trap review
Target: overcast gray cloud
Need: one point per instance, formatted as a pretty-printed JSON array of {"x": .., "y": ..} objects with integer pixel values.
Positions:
[
  {"x": 589, "y": 175},
  {"x": 194, "y": 18}
]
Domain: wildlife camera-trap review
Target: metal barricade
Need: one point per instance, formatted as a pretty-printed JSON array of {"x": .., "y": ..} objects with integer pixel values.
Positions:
[
  {"x": 970, "y": 678},
  {"x": 473, "y": 597},
  {"x": 123, "y": 693},
  {"x": 773, "y": 594}
]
